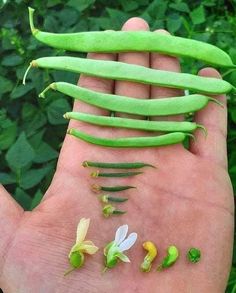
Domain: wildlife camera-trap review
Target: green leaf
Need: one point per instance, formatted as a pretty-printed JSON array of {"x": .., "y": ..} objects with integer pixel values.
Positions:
[
  {"x": 22, "y": 198},
  {"x": 32, "y": 177},
  {"x": 21, "y": 90},
  {"x": 20, "y": 153},
  {"x": 36, "y": 199},
  {"x": 6, "y": 178},
  {"x": 45, "y": 153},
  {"x": 198, "y": 15},
  {"x": 129, "y": 5},
  {"x": 6, "y": 85},
  {"x": 80, "y": 5},
  {"x": 174, "y": 22},
  {"x": 12, "y": 60},
  {"x": 181, "y": 6},
  {"x": 8, "y": 135},
  {"x": 56, "y": 110}
]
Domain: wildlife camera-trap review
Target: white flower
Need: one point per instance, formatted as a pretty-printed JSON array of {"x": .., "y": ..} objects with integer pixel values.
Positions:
[{"x": 114, "y": 250}]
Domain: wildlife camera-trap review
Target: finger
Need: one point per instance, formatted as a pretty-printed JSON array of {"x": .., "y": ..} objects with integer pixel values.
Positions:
[
  {"x": 70, "y": 145},
  {"x": 130, "y": 89},
  {"x": 168, "y": 63},
  {"x": 214, "y": 118},
  {"x": 10, "y": 212},
  {"x": 95, "y": 84}
]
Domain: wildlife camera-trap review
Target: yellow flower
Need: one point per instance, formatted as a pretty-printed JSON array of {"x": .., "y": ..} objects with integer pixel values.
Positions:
[{"x": 81, "y": 246}]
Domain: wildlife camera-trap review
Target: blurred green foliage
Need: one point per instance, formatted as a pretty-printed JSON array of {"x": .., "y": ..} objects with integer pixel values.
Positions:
[{"x": 32, "y": 129}]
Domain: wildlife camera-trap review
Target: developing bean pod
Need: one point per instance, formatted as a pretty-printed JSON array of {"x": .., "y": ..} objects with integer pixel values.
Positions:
[
  {"x": 128, "y": 165},
  {"x": 166, "y": 126},
  {"x": 128, "y": 41},
  {"x": 131, "y": 72},
  {"x": 117, "y": 188},
  {"x": 120, "y": 174},
  {"x": 170, "y": 259},
  {"x": 134, "y": 142},
  {"x": 149, "y": 258}
]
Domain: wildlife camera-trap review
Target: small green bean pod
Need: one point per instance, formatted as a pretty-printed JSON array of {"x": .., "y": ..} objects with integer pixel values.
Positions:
[
  {"x": 145, "y": 107},
  {"x": 136, "y": 73},
  {"x": 165, "y": 126},
  {"x": 123, "y": 165},
  {"x": 128, "y": 41},
  {"x": 131, "y": 142}
]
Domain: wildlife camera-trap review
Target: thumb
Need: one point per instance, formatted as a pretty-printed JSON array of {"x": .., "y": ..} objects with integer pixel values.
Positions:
[{"x": 10, "y": 215}]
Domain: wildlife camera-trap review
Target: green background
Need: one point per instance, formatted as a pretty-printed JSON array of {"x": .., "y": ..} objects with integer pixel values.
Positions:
[{"x": 32, "y": 129}]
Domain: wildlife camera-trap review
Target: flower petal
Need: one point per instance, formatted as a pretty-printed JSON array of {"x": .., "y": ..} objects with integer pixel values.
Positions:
[
  {"x": 129, "y": 242},
  {"x": 123, "y": 257},
  {"x": 121, "y": 233},
  {"x": 88, "y": 248},
  {"x": 82, "y": 230}
]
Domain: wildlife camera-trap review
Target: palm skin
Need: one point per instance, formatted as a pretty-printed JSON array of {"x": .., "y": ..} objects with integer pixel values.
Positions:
[{"x": 186, "y": 201}]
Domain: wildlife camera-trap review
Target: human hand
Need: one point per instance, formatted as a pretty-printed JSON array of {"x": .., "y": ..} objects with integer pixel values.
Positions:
[{"x": 187, "y": 201}]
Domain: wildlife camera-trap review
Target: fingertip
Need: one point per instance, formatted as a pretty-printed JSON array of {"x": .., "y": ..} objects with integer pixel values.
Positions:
[
  {"x": 162, "y": 31},
  {"x": 135, "y": 23},
  {"x": 210, "y": 72}
]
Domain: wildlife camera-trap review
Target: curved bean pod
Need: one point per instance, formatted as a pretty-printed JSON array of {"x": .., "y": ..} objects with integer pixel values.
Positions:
[
  {"x": 136, "y": 73},
  {"x": 128, "y": 41},
  {"x": 145, "y": 107},
  {"x": 165, "y": 126},
  {"x": 134, "y": 142}
]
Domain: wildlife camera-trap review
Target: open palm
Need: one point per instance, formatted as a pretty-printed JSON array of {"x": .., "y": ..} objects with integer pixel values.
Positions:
[{"x": 186, "y": 201}]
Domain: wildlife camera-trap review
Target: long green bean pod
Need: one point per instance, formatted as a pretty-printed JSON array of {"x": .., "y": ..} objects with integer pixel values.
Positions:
[
  {"x": 133, "y": 165},
  {"x": 165, "y": 126},
  {"x": 145, "y": 107},
  {"x": 136, "y": 73},
  {"x": 128, "y": 41},
  {"x": 128, "y": 142}
]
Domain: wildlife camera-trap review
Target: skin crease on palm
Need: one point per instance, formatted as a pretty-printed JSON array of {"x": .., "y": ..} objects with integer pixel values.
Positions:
[{"x": 187, "y": 201}]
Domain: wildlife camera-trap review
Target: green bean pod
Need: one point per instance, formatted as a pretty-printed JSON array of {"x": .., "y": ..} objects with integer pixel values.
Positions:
[
  {"x": 117, "y": 188},
  {"x": 134, "y": 165},
  {"x": 165, "y": 126},
  {"x": 145, "y": 107},
  {"x": 136, "y": 73},
  {"x": 128, "y": 142},
  {"x": 114, "y": 175},
  {"x": 128, "y": 41}
]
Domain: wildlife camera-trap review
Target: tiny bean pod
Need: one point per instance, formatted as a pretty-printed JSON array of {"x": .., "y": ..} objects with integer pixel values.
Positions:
[
  {"x": 122, "y": 174},
  {"x": 97, "y": 188},
  {"x": 109, "y": 210},
  {"x": 128, "y": 41},
  {"x": 134, "y": 142},
  {"x": 136, "y": 73},
  {"x": 106, "y": 198},
  {"x": 166, "y": 126},
  {"x": 149, "y": 258},
  {"x": 170, "y": 259},
  {"x": 194, "y": 255},
  {"x": 135, "y": 165}
]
